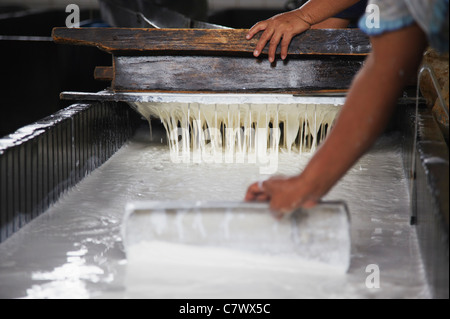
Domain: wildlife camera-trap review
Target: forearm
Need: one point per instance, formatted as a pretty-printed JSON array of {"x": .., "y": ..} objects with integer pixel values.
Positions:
[
  {"x": 370, "y": 102},
  {"x": 362, "y": 119},
  {"x": 316, "y": 11},
  {"x": 369, "y": 106}
]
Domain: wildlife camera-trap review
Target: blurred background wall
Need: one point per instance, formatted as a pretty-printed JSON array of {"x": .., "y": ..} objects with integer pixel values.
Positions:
[{"x": 213, "y": 4}]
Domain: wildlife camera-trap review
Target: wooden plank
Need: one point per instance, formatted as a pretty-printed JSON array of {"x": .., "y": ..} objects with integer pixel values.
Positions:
[
  {"x": 210, "y": 41},
  {"x": 232, "y": 74},
  {"x": 104, "y": 73}
]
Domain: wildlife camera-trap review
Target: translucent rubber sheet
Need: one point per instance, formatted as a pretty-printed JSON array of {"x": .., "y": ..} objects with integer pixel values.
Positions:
[{"x": 320, "y": 234}]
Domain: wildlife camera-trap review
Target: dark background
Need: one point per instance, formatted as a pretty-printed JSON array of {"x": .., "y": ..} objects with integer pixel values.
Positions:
[{"x": 34, "y": 70}]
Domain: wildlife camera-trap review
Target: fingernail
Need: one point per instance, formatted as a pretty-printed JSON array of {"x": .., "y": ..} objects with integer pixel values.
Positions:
[
  {"x": 283, "y": 57},
  {"x": 260, "y": 185},
  {"x": 271, "y": 60},
  {"x": 256, "y": 53},
  {"x": 247, "y": 36}
]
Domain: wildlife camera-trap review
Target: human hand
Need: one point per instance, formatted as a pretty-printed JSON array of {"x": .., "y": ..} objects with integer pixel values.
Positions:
[
  {"x": 285, "y": 194},
  {"x": 282, "y": 27}
]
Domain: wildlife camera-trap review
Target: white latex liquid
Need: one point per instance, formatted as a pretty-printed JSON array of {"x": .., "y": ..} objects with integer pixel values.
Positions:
[
  {"x": 75, "y": 249},
  {"x": 216, "y": 133},
  {"x": 167, "y": 270}
]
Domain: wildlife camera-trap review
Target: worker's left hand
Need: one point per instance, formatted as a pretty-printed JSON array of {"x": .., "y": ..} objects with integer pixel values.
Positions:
[
  {"x": 285, "y": 194},
  {"x": 282, "y": 27}
]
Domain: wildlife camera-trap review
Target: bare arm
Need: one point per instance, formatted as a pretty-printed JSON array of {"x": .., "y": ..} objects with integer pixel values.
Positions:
[
  {"x": 368, "y": 107},
  {"x": 316, "y": 11},
  {"x": 285, "y": 26}
]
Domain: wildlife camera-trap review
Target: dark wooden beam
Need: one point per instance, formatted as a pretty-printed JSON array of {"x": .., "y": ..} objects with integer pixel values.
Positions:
[
  {"x": 210, "y": 41},
  {"x": 104, "y": 73},
  {"x": 199, "y": 60},
  {"x": 232, "y": 74}
]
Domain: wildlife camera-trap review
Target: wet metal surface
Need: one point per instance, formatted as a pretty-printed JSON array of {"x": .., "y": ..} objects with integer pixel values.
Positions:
[{"x": 41, "y": 161}]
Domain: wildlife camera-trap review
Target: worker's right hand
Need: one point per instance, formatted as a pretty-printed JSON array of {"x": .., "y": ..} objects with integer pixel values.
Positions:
[
  {"x": 284, "y": 194},
  {"x": 282, "y": 27}
]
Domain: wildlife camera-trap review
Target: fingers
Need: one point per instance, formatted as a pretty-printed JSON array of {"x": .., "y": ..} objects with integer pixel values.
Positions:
[
  {"x": 283, "y": 194},
  {"x": 283, "y": 206},
  {"x": 255, "y": 192},
  {"x": 282, "y": 27},
  {"x": 272, "y": 184},
  {"x": 268, "y": 35},
  {"x": 309, "y": 203},
  {"x": 256, "y": 197},
  {"x": 260, "y": 26},
  {"x": 283, "y": 198},
  {"x": 285, "y": 45},
  {"x": 273, "y": 34},
  {"x": 274, "y": 41},
  {"x": 279, "y": 209},
  {"x": 265, "y": 37},
  {"x": 262, "y": 198}
]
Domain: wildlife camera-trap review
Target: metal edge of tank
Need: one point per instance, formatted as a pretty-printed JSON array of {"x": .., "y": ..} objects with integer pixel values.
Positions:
[
  {"x": 429, "y": 192},
  {"x": 41, "y": 161}
]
